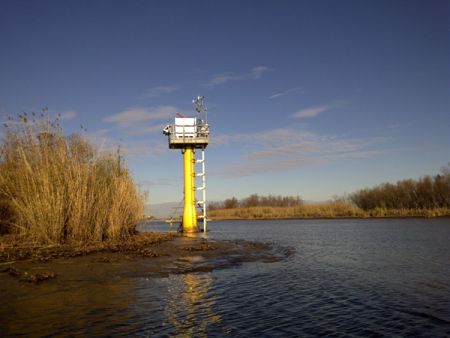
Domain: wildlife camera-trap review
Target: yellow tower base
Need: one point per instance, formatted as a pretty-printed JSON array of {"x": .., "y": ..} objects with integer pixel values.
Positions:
[{"x": 189, "y": 213}]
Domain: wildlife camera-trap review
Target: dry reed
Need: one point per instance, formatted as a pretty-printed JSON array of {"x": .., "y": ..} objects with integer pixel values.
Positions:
[
  {"x": 333, "y": 209},
  {"x": 56, "y": 188}
]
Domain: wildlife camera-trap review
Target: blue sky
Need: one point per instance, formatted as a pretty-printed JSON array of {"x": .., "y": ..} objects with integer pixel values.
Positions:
[{"x": 309, "y": 98}]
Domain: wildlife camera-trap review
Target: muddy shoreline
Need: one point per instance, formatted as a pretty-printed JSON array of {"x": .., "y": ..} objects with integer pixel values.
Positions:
[{"x": 146, "y": 254}]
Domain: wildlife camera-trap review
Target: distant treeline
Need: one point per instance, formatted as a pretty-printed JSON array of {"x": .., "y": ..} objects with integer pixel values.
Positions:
[
  {"x": 255, "y": 200},
  {"x": 426, "y": 193},
  {"x": 428, "y": 196}
]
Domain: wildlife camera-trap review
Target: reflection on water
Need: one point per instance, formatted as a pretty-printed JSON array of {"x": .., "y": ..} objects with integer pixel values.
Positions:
[
  {"x": 189, "y": 308},
  {"x": 346, "y": 278}
]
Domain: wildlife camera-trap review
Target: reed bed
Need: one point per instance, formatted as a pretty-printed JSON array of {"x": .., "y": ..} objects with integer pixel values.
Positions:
[
  {"x": 58, "y": 189},
  {"x": 334, "y": 209},
  {"x": 323, "y": 210}
]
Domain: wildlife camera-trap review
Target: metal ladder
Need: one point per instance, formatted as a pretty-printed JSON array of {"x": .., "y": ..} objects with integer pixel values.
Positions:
[{"x": 202, "y": 203}]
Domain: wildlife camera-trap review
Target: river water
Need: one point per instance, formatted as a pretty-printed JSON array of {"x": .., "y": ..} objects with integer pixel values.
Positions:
[{"x": 337, "y": 278}]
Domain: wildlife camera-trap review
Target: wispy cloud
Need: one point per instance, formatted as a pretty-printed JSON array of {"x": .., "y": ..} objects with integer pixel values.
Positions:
[
  {"x": 150, "y": 129},
  {"x": 285, "y": 148},
  {"x": 130, "y": 147},
  {"x": 160, "y": 181},
  {"x": 311, "y": 111},
  {"x": 259, "y": 71},
  {"x": 68, "y": 115},
  {"x": 286, "y": 92},
  {"x": 140, "y": 148},
  {"x": 243, "y": 169},
  {"x": 158, "y": 91},
  {"x": 223, "y": 78},
  {"x": 137, "y": 116}
]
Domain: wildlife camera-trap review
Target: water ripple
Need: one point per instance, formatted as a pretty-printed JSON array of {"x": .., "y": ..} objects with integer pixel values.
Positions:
[{"x": 358, "y": 278}]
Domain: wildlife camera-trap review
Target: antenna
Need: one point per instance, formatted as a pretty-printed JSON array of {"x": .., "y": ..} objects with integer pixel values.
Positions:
[{"x": 200, "y": 106}]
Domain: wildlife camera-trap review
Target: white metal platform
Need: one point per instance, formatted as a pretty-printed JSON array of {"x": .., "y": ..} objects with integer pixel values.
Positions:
[{"x": 187, "y": 132}]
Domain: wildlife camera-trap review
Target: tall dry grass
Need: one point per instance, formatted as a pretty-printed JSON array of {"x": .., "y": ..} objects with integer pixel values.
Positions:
[
  {"x": 333, "y": 209},
  {"x": 322, "y": 210},
  {"x": 56, "y": 188}
]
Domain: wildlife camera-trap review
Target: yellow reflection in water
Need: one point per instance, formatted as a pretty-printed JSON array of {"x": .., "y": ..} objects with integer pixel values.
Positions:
[
  {"x": 203, "y": 235},
  {"x": 190, "y": 305}
]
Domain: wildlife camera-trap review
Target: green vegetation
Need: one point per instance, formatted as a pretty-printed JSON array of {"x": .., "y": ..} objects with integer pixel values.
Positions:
[{"x": 56, "y": 189}]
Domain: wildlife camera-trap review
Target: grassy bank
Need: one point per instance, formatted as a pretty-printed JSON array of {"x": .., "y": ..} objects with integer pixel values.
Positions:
[
  {"x": 323, "y": 210},
  {"x": 56, "y": 188}
]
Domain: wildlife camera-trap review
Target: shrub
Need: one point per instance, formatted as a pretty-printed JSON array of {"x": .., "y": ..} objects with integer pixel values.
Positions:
[{"x": 426, "y": 193}]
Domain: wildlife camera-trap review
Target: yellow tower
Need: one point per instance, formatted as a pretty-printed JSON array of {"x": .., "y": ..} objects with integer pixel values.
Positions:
[
  {"x": 189, "y": 134},
  {"x": 189, "y": 212}
]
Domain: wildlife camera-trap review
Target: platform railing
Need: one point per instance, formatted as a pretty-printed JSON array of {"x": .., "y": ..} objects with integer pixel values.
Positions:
[{"x": 201, "y": 133}]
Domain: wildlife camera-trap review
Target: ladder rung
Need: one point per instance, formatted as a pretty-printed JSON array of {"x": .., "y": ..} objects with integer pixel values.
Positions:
[
  {"x": 199, "y": 161},
  {"x": 200, "y": 188},
  {"x": 200, "y": 174},
  {"x": 201, "y": 216},
  {"x": 201, "y": 202}
]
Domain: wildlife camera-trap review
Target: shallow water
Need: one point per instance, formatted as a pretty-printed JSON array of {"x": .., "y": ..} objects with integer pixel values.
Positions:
[{"x": 337, "y": 278}]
